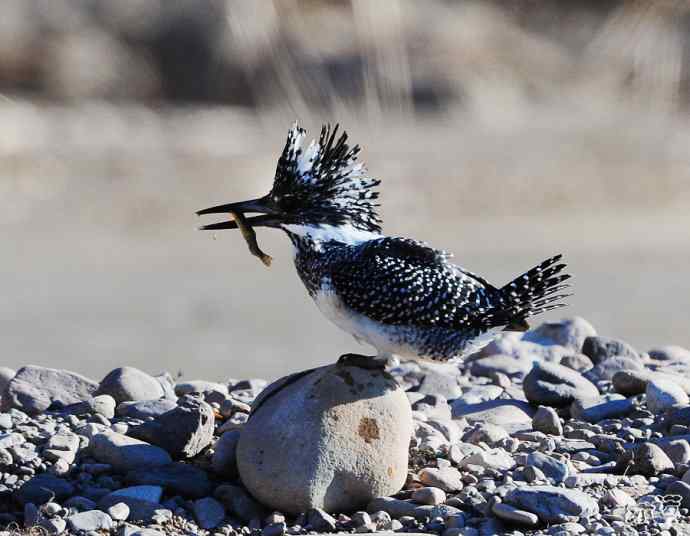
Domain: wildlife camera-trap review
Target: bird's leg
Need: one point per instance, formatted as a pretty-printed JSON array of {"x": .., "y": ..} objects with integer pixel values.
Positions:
[{"x": 369, "y": 362}]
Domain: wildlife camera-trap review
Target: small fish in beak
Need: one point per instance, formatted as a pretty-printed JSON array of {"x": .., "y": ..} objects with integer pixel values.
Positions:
[{"x": 250, "y": 237}]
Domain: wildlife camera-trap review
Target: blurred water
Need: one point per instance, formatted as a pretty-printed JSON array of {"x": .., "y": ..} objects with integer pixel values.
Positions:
[{"x": 102, "y": 265}]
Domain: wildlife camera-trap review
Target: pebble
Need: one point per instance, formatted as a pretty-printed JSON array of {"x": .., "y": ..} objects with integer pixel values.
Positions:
[
  {"x": 441, "y": 380},
  {"x": 209, "y": 513},
  {"x": 555, "y": 470},
  {"x": 92, "y": 520},
  {"x": 546, "y": 420},
  {"x": 553, "y": 504},
  {"x": 488, "y": 433},
  {"x": 608, "y": 368},
  {"x": 511, "y": 514},
  {"x": 118, "y": 511},
  {"x": 599, "y": 348},
  {"x": 663, "y": 395},
  {"x": 495, "y": 459},
  {"x": 429, "y": 495},
  {"x": 447, "y": 478},
  {"x": 648, "y": 460},
  {"x": 129, "y": 383},
  {"x": 554, "y": 385},
  {"x": 126, "y": 453},
  {"x": 579, "y": 362}
]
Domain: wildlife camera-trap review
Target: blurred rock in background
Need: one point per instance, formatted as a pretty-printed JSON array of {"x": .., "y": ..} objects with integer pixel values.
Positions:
[{"x": 505, "y": 131}]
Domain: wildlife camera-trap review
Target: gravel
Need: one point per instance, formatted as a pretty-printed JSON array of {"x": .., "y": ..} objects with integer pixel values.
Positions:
[{"x": 482, "y": 459}]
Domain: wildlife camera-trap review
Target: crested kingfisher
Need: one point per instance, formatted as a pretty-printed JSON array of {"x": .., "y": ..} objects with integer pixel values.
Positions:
[{"x": 399, "y": 295}]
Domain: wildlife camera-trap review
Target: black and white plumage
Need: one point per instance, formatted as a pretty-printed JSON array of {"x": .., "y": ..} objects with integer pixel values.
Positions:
[{"x": 396, "y": 294}]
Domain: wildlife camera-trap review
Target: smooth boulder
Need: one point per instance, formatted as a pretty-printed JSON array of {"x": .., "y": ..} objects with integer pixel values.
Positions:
[
  {"x": 128, "y": 383},
  {"x": 332, "y": 438},
  {"x": 34, "y": 389},
  {"x": 554, "y": 385}
]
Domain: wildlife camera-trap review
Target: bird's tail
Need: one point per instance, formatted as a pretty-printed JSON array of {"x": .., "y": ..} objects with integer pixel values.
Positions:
[{"x": 536, "y": 291}]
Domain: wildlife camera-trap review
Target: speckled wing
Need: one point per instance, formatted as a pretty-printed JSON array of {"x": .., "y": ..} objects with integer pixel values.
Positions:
[{"x": 402, "y": 282}]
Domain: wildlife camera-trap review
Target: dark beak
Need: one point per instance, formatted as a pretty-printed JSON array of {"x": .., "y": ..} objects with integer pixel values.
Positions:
[{"x": 269, "y": 217}]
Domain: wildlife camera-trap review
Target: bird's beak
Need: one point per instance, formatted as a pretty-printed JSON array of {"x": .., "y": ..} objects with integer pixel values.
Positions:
[{"x": 269, "y": 216}]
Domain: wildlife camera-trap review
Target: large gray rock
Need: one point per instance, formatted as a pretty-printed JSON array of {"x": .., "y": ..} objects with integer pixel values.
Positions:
[
  {"x": 333, "y": 439},
  {"x": 129, "y": 383},
  {"x": 507, "y": 364},
  {"x": 126, "y": 453},
  {"x": 184, "y": 431},
  {"x": 510, "y": 414},
  {"x": 648, "y": 460},
  {"x": 553, "y": 504},
  {"x": 554, "y": 385},
  {"x": 599, "y": 348},
  {"x": 34, "y": 389}
]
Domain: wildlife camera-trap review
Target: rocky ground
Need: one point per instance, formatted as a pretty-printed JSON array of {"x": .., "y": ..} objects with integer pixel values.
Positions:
[{"x": 557, "y": 431}]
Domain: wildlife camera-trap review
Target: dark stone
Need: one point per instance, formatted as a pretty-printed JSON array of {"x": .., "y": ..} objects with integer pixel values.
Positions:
[
  {"x": 183, "y": 431},
  {"x": 554, "y": 385},
  {"x": 599, "y": 348},
  {"x": 43, "y": 488},
  {"x": 177, "y": 478}
]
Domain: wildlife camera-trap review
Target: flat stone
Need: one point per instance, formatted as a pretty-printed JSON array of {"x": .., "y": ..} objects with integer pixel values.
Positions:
[
  {"x": 497, "y": 459},
  {"x": 209, "y": 513},
  {"x": 446, "y": 478},
  {"x": 554, "y": 469},
  {"x": 602, "y": 407},
  {"x": 90, "y": 521},
  {"x": 126, "y": 453},
  {"x": 35, "y": 389},
  {"x": 224, "y": 459},
  {"x": 663, "y": 395},
  {"x": 554, "y": 385},
  {"x": 599, "y": 348},
  {"x": 429, "y": 495},
  {"x": 396, "y": 508},
  {"x": 145, "y": 409},
  {"x": 183, "y": 432},
  {"x": 177, "y": 478},
  {"x": 129, "y": 383},
  {"x": 505, "y": 364},
  {"x": 546, "y": 420},
  {"x": 510, "y": 414},
  {"x": 511, "y": 514},
  {"x": 43, "y": 488},
  {"x": 346, "y": 428},
  {"x": 553, "y": 504},
  {"x": 63, "y": 441}
]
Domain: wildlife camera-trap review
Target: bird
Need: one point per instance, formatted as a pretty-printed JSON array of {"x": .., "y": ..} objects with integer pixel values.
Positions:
[{"x": 401, "y": 296}]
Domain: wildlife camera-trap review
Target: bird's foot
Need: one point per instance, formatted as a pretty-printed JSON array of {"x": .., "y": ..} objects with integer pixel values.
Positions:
[{"x": 368, "y": 362}]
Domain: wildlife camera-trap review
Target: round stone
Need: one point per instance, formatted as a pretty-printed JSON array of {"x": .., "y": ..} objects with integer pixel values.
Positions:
[
  {"x": 333, "y": 438},
  {"x": 664, "y": 394},
  {"x": 551, "y": 384},
  {"x": 129, "y": 383}
]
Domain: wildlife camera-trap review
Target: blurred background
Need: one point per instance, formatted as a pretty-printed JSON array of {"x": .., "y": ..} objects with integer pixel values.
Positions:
[{"x": 504, "y": 131}]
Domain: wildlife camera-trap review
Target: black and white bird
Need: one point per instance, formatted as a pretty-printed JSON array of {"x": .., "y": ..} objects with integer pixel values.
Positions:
[{"x": 399, "y": 295}]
